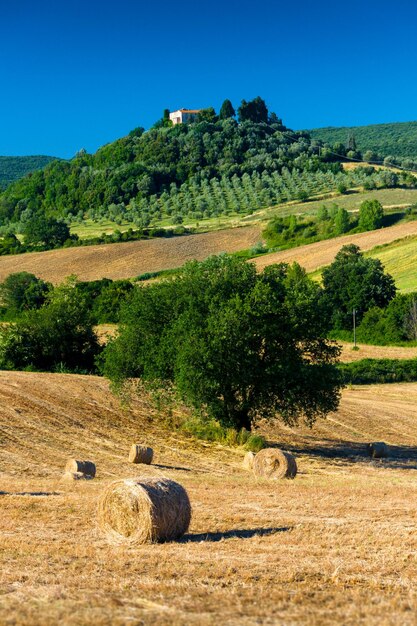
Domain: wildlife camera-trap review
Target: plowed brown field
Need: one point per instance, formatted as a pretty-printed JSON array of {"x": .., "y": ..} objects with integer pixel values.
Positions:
[
  {"x": 337, "y": 545},
  {"x": 127, "y": 260}
]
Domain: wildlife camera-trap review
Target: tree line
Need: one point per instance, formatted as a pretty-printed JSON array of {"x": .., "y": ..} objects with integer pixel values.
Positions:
[{"x": 232, "y": 343}]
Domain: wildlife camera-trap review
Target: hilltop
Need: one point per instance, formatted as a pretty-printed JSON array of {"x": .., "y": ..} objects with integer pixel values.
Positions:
[
  {"x": 322, "y": 548},
  {"x": 184, "y": 175},
  {"x": 395, "y": 140},
  {"x": 13, "y": 168}
]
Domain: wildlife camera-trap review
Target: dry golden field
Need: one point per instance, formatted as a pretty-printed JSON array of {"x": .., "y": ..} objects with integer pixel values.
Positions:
[
  {"x": 322, "y": 253},
  {"x": 375, "y": 352},
  {"x": 337, "y": 545},
  {"x": 127, "y": 260}
]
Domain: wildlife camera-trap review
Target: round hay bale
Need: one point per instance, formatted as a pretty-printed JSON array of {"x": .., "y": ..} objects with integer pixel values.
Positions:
[
  {"x": 87, "y": 468},
  {"x": 378, "y": 450},
  {"x": 146, "y": 510},
  {"x": 140, "y": 454},
  {"x": 274, "y": 463},
  {"x": 248, "y": 460}
]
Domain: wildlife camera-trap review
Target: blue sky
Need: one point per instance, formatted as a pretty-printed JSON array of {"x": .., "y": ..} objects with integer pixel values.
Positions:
[{"x": 78, "y": 74}]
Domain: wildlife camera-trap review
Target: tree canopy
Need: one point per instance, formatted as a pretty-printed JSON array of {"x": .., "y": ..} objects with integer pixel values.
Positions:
[
  {"x": 353, "y": 281},
  {"x": 22, "y": 291},
  {"x": 253, "y": 111},
  {"x": 371, "y": 215},
  {"x": 58, "y": 335},
  {"x": 237, "y": 343},
  {"x": 226, "y": 110}
]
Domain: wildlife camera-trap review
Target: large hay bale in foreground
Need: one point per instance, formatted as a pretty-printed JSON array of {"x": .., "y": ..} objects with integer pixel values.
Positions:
[
  {"x": 87, "y": 468},
  {"x": 140, "y": 454},
  {"x": 146, "y": 510},
  {"x": 274, "y": 463},
  {"x": 248, "y": 460},
  {"x": 378, "y": 450}
]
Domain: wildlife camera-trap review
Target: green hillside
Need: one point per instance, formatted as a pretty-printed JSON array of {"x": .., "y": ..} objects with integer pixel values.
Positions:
[
  {"x": 13, "y": 168},
  {"x": 396, "y": 140},
  {"x": 174, "y": 176}
]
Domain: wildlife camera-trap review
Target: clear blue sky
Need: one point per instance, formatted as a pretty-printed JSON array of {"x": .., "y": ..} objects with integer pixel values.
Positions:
[{"x": 81, "y": 73}]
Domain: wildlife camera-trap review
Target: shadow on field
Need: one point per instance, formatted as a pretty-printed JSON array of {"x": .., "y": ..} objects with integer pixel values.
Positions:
[
  {"x": 29, "y": 493},
  {"x": 344, "y": 452},
  {"x": 230, "y": 534}
]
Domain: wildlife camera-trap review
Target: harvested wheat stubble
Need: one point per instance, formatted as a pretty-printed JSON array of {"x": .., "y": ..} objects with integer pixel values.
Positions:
[
  {"x": 274, "y": 463},
  {"x": 145, "y": 510},
  {"x": 248, "y": 460},
  {"x": 69, "y": 476},
  {"x": 140, "y": 454},
  {"x": 378, "y": 450},
  {"x": 87, "y": 468}
]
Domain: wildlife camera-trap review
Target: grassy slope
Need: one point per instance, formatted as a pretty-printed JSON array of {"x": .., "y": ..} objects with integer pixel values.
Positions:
[
  {"x": 334, "y": 546},
  {"x": 13, "y": 168},
  {"x": 398, "y": 139},
  {"x": 400, "y": 260},
  {"x": 389, "y": 198}
]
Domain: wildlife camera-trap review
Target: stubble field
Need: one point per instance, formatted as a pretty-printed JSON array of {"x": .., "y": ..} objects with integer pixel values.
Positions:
[
  {"x": 336, "y": 545},
  {"x": 127, "y": 260}
]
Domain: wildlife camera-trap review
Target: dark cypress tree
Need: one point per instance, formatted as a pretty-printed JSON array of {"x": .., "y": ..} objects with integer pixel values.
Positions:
[
  {"x": 255, "y": 111},
  {"x": 226, "y": 110}
]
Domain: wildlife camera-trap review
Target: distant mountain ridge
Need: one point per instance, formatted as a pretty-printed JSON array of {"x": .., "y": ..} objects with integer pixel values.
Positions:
[
  {"x": 14, "y": 167},
  {"x": 398, "y": 139}
]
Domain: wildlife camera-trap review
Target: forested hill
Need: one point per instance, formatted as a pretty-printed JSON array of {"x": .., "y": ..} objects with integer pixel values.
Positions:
[
  {"x": 13, "y": 168},
  {"x": 394, "y": 140},
  {"x": 214, "y": 165}
]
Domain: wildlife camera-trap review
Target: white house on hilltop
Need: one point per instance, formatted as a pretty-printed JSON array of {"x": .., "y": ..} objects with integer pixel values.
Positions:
[{"x": 183, "y": 115}]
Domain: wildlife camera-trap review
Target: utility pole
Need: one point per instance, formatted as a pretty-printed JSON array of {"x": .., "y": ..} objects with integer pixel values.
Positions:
[{"x": 354, "y": 327}]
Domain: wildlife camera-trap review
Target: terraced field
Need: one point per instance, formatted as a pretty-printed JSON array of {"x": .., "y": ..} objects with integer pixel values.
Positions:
[{"x": 335, "y": 545}]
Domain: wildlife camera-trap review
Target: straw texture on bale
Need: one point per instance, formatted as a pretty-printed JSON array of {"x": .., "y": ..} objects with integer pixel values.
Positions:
[
  {"x": 378, "y": 450},
  {"x": 146, "y": 510},
  {"x": 274, "y": 463},
  {"x": 140, "y": 454},
  {"x": 83, "y": 467},
  {"x": 248, "y": 460}
]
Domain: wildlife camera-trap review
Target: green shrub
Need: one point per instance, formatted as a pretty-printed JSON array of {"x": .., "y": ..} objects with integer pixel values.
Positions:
[
  {"x": 211, "y": 430},
  {"x": 370, "y": 371}
]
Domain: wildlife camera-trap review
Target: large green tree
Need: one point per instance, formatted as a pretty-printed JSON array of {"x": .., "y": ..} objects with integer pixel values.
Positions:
[
  {"x": 23, "y": 291},
  {"x": 355, "y": 282},
  {"x": 371, "y": 215},
  {"x": 46, "y": 231},
  {"x": 234, "y": 342}
]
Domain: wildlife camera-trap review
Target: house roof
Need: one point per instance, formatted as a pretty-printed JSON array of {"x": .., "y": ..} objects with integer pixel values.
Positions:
[{"x": 190, "y": 110}]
